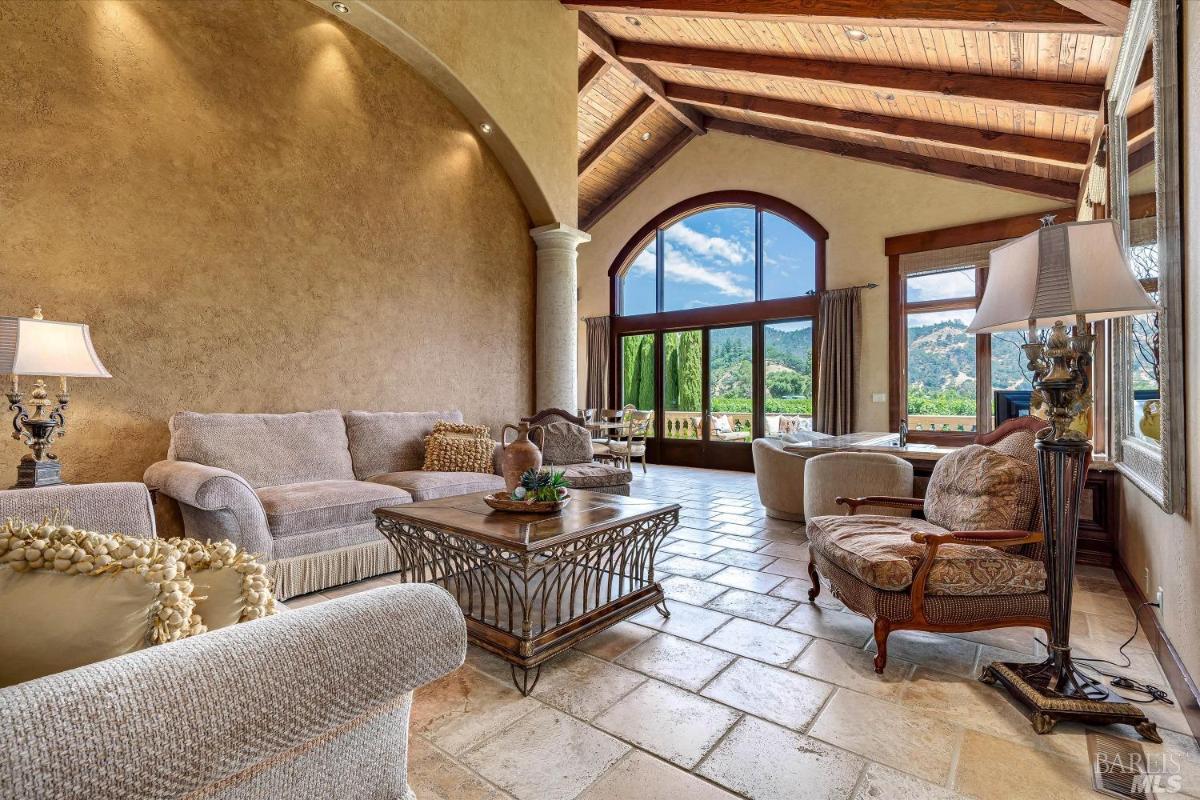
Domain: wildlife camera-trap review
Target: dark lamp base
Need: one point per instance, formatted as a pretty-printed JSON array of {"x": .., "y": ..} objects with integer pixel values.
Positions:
[
  {"x": 1030, "y": 684},
  {"x": 32, "y": 474}
]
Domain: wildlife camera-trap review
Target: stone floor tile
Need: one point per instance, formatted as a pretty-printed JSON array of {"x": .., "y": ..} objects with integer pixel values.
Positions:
[
  {"x": 752, "y": 605},
  {"x": 967, "y": 702},
  {"x": 774, "y": 694},
  {"x": 644, "y": 777},
  {"x": 766, "y": 762},
  {"x": 796, "y": 552},
  {"x": 304, "y": 600},
  {"x": 1018, "y": 640},
  {"x": 738, "y": 537},
  {"x": 837, "y": 626},
  {"x": 881, "y": 731},
  {"x": 793, "y": 589},
  {"x": 687, "y": 621},
  {"x": 748, "y": 579},
  {"x": 936, "y": 650},
  {"x": 367, "y": 585},
  {"x": 466, "y": 707},
  {"x": 694, "y": 535},
  {"x": 692, "y": 549},
  {"x": 689, "y": 567},
  {"x": 853, "y": 668},
  {"x": 676, "y": 661},
  {"x": 567, "y": 756},
  {"x": 691, "y": 590},
  {"x": 612, "y": 642},
  {"x": 992, "y": 768},
  {"x": 760, "y": 642},
  {"x": 741, "y": 558},
  {"x": 583, "y": 685},
  {"x": 669, "y": 722},
  {"x": 734, "y": 519},
  {"x": 433, "y": 775},
  {"x": 787, "y": 567},
  {"x": 884, "y": 783}
]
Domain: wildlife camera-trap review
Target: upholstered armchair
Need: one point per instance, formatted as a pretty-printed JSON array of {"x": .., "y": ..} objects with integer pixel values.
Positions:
[{"x": 974, "y": 562}]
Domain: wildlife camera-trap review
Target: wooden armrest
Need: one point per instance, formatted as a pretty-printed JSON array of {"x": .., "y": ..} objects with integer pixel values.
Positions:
[
  {"x": 989, "y": 538},
  {"x": 880, "y": 500}
]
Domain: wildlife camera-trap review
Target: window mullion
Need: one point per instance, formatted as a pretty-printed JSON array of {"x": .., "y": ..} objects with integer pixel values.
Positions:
[
  {"x": 659, "y": 272},
  {"x": 758, "y": 254}
]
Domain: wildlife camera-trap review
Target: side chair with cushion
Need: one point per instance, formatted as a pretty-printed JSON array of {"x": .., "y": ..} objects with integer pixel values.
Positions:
[
  {"x": 632, "y": 443},
  {"x": 567, "y": 446},
  {"x": 975, "y": 562}
]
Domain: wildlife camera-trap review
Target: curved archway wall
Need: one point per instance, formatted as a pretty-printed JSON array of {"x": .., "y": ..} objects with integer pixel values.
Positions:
[
  {"x": 256, "y": 209},
  {"x": 509, "y": 62},
  {"x": 860, "y": 204}
]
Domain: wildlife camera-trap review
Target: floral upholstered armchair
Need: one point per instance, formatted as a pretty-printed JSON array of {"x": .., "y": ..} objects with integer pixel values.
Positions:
[{"x": 975, "y": 561}]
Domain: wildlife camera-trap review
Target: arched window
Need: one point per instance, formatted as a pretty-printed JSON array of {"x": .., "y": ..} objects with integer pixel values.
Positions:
[
  {"x": 720, "y": 249},
  {"x": 714, "y": 316}
]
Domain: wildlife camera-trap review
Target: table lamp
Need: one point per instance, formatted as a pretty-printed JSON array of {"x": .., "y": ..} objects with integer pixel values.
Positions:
[
  {"x": 39, "y": 347},
  {"x": 1075, "y": 272}
]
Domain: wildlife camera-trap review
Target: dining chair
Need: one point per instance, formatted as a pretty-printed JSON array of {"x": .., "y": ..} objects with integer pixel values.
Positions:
[{"x": 633, "y": 445}]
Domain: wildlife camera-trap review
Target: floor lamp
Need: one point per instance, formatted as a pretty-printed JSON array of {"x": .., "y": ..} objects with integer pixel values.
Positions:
[{"x": 1075, "y": 272}]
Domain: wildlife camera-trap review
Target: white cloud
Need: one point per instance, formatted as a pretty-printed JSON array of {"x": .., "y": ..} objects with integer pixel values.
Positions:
[
  {"x": 681, "y": 268},
  {"x": 644, "y": 262},
  {"x": 702, "y": 244}
]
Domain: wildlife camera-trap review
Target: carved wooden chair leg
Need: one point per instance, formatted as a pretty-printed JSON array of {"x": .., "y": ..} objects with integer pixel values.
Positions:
[
  {"x": 882, "y": 629},
  {"x": 816, "y": 582}
]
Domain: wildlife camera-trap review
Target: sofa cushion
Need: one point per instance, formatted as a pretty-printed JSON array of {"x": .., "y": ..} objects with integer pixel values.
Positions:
[
  {"x": 879, "y": 551},
  {"x": 565, "y": 443},
  {"x": 591, "y": 475},
  {"x": 425, "y": 485},
  {"x": 978, "y": 488},
  {"x": 391, "y": 441},
  {"x": 265, "y": 449},
  {"x": 317, "y": 505},
  {"x": 454, "y": 447}
]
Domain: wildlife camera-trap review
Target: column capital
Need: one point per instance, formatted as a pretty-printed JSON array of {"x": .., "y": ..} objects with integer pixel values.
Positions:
[{"x": 557, "y": 234}]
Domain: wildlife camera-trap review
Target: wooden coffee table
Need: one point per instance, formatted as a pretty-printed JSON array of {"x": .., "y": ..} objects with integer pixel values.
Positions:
[{"x": 533, "y": 585}]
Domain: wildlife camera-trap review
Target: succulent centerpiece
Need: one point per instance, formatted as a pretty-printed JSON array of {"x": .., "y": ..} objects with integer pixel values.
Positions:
[{"x": 539, "y": 491}]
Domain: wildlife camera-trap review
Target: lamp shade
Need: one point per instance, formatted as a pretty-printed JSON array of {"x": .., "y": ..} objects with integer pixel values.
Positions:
[
  {"x": 42, "y": 347},
  {"x": 1056, "y": 273}
]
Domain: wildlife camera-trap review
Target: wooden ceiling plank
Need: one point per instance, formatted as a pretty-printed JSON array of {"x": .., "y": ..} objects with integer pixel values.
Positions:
[
  {"x": 1059, "y": 190},
  {"x": 603, "y": 46},
  {"x": 611, "y": 137},
  {"x": 1024, "y": 16},
  {"x": 1029, "y": 147},
  {"x": 1051, "y": 95},
  {"x": 643, "y": 172},
  {"x": 591, "y": 73},
  {"x": 1110, "y": 13}
]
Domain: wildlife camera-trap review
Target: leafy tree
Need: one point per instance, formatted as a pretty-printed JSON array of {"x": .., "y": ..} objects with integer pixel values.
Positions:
[
  {"x": 671, "y": 372},
  {"x": 688, "y": 377},
  {"x": 630, "y": 347},
  {"x": 645, "y": 392}
]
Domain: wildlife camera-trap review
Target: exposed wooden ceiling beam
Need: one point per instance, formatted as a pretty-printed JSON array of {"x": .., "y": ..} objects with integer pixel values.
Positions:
[
  {"x": 1139, "y": 124},
  {"x": 1111, "y": 13},
  {"x": 1140, "y": 155},
  {"x": 611, "y": 137},
  {"x": 1075, "y": 98},
  {"x": 1017, "y": 145},
  {"x": 1031, "y": 16},
  {"x": 644, "y": 171},
  {"x": 591, "y": 73},
  {"x": 1030, "y": 184},
  {"x": 600, "y": 43}
]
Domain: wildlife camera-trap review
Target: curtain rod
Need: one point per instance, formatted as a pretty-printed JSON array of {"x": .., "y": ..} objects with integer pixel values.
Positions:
[{"x": 871, "y": 285}]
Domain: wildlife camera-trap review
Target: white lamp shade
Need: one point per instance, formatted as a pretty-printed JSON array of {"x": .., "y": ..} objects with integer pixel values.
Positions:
[
  {"x": 1056, "y": 273},
  {"x": 42, "y": 347}
]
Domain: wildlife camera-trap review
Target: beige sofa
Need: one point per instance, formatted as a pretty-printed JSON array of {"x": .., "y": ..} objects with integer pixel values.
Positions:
[
  {"x": 300, "y": 489},
  {"x": 309, "y": 703}
]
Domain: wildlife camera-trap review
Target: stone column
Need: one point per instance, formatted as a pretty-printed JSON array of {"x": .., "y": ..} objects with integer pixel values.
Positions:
[{"x": 557, "y": 328}]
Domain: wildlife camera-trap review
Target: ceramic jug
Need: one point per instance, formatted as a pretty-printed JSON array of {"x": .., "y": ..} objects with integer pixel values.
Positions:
[{"x": 520, "y": 454}]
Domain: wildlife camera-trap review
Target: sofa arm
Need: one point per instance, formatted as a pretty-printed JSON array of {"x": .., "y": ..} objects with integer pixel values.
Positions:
[
  {"x": 103, "y": 507},
  {"x": 223, "y": 504},
  {"x": 304, "y": 699}
]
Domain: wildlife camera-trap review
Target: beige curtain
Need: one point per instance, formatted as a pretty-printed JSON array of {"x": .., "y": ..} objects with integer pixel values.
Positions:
[
  {"x": 597, "y": 362},
  {"x": 838, "y": 353}
]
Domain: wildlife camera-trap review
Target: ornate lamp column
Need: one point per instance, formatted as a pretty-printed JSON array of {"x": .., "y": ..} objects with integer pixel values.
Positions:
[
  {"x": 1073, "y": 272},
  {"x": 557, "y": 326}
]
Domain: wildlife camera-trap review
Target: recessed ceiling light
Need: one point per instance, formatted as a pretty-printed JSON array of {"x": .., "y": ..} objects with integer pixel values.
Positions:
[
  {"x": 341, "y": 8},
  {"x": 486, "y": 127},
  {"x": 856, "y": 35},
  {"x": 634, "y": 21},
  {"x": 646, "y": 136}
]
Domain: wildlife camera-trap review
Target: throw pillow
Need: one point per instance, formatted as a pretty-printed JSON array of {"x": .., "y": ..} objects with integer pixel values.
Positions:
[
  {"x": 86, "y": 597},
  {"x": 231, "y": 586},
  {"x": 454, "y": 447},
  {"x": 566, "y": 443},
  {"x": 979, "y": 488},
  {"x": 721, "y": 424}
]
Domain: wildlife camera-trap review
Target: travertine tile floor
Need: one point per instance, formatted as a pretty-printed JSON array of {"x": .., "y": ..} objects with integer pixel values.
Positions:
[{"x": 748, "y": 690}]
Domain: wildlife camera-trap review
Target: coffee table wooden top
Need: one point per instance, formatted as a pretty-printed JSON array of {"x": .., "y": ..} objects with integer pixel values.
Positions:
[{"x": 587, "y": 513}]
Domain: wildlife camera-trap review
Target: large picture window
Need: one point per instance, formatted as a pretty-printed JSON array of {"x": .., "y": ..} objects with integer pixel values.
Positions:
[{"x": 715, "y": 304}]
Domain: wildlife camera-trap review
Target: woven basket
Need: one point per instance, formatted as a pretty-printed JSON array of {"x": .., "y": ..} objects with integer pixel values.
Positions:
[{"x": 502, "y": 501}]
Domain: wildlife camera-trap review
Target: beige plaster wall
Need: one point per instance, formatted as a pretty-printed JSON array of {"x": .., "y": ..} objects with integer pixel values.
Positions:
[
  {"x": 256, "y": 208},
  {"x": 1168, "y": 546},
  {"x": 860, "y": 204},
  {"x": 510, "y": 61}
]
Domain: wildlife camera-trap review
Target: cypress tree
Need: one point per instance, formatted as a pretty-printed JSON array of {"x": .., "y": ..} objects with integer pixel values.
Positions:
[
  {"x": 645, "y": 401},
  {"x": 631, "y": 361},
  {"x": 689, "y": 371},
  {"x": 671, "y": 372}
]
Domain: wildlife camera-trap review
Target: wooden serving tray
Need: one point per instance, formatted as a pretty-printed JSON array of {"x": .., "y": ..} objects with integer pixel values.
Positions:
[{"x": 502, "y": 501}]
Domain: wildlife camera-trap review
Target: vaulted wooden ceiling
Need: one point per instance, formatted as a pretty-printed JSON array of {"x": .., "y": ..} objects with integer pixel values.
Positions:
[{"x": 1001, "y": 92}]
